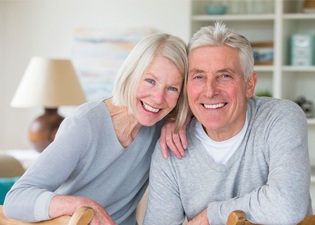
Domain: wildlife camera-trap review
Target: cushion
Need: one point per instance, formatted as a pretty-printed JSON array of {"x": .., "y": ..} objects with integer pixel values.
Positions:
[{"x": 5, "y": 186}]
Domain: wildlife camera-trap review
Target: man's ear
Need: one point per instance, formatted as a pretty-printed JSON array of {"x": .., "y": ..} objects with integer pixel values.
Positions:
[{"x": 250, "y": 85}]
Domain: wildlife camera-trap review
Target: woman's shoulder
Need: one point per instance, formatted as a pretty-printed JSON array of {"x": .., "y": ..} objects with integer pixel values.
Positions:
[
  {"x": 90, "y": 110},
  {"x": 90, "y": 114}
]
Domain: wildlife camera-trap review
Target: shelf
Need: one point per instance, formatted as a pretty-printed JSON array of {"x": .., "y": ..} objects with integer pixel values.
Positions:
[
  {"x": 264, "y": 68},
  {"x": 234, "y": 18},
  {"x": 298, "y": 68},
  {"x": 299, "y": 16}
]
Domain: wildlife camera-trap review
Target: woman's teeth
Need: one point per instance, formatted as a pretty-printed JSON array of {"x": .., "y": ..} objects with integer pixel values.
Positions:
[{"x": 149, "y": 108}]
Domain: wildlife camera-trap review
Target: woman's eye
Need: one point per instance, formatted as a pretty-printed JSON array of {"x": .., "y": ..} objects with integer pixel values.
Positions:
[
  {"x": 172, "y": 89},
  {"x": 150, "y": 81}
]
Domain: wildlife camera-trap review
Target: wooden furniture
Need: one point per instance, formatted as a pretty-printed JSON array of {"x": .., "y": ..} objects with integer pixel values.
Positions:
[
  {"x": 82, "y": 216},
  {"x": 238, "y": 217}
]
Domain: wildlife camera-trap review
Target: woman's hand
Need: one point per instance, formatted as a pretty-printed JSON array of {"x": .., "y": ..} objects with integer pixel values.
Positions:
[
  {"x": 66, "y": 205},
  {"x": 101, "y": 217},
  {"x": 176, "y": 142}
]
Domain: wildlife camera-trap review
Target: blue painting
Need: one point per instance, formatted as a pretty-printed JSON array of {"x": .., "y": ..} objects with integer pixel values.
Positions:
[{"x": 98, "y": 54}]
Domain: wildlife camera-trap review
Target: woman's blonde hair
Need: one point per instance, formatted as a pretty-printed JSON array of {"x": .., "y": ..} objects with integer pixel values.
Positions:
[{"x": 128, "y": 77}]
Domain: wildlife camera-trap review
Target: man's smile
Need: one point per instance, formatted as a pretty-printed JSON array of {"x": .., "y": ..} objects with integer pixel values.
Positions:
[{"x": 214, "y": 106}]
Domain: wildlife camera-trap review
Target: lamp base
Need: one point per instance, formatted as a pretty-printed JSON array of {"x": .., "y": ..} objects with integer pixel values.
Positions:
[{"x": 43, "y": 129}]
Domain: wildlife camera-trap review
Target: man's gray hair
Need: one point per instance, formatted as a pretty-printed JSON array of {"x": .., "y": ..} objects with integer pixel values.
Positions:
[{"x": 220, "y": 35}]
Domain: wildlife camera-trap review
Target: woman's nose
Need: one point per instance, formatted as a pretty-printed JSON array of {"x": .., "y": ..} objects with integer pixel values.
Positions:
[{"x": 159, "y": 95}]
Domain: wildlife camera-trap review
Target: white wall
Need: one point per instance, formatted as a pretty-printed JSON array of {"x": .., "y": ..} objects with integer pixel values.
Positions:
[{"x": 46, "y": 27}]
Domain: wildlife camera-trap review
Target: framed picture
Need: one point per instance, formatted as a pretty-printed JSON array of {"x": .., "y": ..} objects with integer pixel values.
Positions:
[
  {"x": 263, "y": 53},
  {"x": 98, "y": 53}
]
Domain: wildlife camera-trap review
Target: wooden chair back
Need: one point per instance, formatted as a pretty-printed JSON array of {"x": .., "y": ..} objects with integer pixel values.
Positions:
[
  {"x": 238, "y": 217},
  {"x": 82, "y": 216}
]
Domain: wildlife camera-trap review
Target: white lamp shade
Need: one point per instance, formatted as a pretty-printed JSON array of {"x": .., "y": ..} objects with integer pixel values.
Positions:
[{"x": 49, "y": 83}]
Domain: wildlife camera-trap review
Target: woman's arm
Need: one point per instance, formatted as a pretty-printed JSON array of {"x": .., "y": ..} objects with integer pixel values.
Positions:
[{"x": 30, "y": 197}]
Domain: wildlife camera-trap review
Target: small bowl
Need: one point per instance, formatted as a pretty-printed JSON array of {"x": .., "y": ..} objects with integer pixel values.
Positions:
[{"x": 216, "y": 9}]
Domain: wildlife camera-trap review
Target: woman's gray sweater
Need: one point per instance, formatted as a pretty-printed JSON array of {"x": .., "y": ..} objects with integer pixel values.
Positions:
[{"x": 86, "y": 159}]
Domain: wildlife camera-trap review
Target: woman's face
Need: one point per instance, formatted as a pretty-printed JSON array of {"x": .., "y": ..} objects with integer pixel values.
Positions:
[{"x": 158, "y": 91}]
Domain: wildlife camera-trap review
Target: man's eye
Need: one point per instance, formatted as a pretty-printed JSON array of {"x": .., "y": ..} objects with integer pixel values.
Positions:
[
  {"x": 197, "y": 76},
  {"x": 226, "y": 76}
]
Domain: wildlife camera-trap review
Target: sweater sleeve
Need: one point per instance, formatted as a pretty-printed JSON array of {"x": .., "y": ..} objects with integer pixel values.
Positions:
[
  {"x": 30, "y": 197},
  {"x": 285, "y": 198},
  {"x": 162, "y": 177}
]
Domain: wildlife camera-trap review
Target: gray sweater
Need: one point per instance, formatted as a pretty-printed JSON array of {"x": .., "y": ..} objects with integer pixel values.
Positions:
[
  {"x": 86, "y": 159},
  {"x": 268, "y": 176}
]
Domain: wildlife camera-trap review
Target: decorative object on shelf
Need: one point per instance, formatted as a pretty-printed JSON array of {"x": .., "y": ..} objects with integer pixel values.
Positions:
[
  {"x": 302, "y": 50},
  {"x": 309, "y": 6},
  {"x": 237, "y": 7},
  {"x": 263, "y": 53},
  {"x": 260, "y": 6},
  {"x": 215, "y": 9},
  {"x": 48, "y": 83},
  {"x": 265, "y": 93},
  {"x": 306, "y": 105}
]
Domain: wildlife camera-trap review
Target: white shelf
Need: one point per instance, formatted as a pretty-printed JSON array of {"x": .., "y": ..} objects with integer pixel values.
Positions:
[
  {"x": 264, "y": 68},
  {"x": 299, "y": 16},
  {"x": 231, "y": 17},
  {"x": 298, "y": 68}
]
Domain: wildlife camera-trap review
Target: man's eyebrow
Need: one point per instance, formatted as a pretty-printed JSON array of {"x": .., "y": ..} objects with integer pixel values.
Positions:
[
  {"x": 194, "y": 70},
  {"x": 226, "y": 70}
]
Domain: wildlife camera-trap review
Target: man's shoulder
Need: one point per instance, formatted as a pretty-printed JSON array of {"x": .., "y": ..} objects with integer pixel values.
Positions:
[
  {"x": 274, "y": 104},
  {"x": 263, "y": 109}
]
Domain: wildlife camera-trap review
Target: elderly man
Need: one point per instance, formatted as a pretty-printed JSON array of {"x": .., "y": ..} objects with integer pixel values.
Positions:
[{"x": 244, "y": 152}]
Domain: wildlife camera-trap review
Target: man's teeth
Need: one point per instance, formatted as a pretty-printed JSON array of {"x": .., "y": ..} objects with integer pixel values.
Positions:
[
  {"x": 149, "y": 108},
  {"x": 214, "y": 106}
]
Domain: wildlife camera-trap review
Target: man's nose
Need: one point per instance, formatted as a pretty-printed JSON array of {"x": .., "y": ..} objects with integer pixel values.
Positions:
[{"x": 211, "y": 88}]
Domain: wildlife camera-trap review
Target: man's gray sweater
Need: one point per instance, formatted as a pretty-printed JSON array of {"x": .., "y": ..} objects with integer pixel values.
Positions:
[{"x": 268, "y": 177}]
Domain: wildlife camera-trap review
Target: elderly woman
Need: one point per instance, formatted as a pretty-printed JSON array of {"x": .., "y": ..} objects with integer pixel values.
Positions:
[{"x": 101, "y": 154}]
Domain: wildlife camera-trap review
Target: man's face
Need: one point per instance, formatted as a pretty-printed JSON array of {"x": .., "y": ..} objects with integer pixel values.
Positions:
[{"x": 217, "y": 92}]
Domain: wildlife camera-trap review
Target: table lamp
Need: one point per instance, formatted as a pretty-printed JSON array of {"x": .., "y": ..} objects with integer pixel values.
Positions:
[{"x": 49, "y": 83}]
